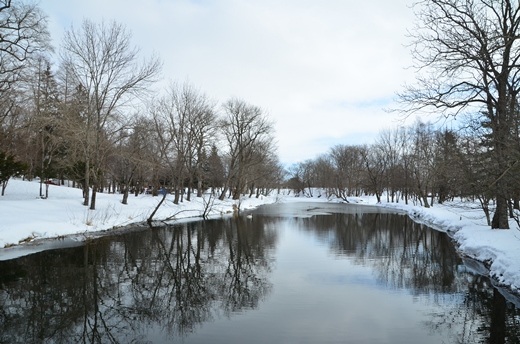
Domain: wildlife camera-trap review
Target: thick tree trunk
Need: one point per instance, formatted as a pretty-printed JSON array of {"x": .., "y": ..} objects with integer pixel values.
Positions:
[
  {"x": 125, "y": 195},
  {"x": 500, "y": 152},
  {"x": 500, "y": 219},
  {"x": 199, "y": 187},
  {"x": 223, "y": 193},
  {"x": 177, "y": 196}
]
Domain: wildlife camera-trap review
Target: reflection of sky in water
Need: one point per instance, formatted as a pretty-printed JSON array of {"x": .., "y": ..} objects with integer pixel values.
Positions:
[
  {"x": 319, "y": 298},
  {"x": 306, "y": 209}
]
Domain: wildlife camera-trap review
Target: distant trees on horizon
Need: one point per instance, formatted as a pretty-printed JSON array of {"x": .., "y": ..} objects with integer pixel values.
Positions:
[{"x": 420, "y": 164}]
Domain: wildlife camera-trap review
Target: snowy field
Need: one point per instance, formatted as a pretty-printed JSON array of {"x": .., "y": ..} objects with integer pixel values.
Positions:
[{"x": 62, "y": 220}]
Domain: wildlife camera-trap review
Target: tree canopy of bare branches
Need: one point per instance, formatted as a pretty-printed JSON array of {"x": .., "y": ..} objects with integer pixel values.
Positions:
[
  {"x": 101, "y": 61},
  {"x": 468, "y": 58},
  {"x": 247, "y": 132},
  {"x": 23, "y": 33}
]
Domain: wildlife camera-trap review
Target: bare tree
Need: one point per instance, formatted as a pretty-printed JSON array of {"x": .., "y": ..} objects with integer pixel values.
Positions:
[
  {"x": 23, "y": 33},
  {"x": 100, "y": 58},
  {"x": 392, "y": 144},
  {"x": 23, "y": 36},
  {"x": 203, "y": 126},
  {"x": 468, "y": 55},
  {"x": 185, "y": 122},
  {"x": 348, "y": 165},
  {"x": 266, "y": 173},
  {"x": 246, "y": 129},
  {"x": 422, "y": 166},
  {"x": 133, "y": 157},
  {"x": 375, "y": 167}
]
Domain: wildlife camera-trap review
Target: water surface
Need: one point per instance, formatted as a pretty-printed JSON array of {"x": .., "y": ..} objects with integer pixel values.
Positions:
[{"x": 293, "y": 273}]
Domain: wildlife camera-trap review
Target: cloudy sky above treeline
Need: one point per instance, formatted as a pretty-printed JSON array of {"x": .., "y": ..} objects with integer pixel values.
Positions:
[{"x": 324, "y": 71}]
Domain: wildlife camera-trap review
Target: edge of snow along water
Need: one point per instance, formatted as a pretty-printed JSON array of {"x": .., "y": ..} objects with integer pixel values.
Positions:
[{"x": 30, "y": 224}]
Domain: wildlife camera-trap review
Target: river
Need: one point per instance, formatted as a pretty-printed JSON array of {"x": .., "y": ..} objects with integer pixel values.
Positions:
[{"x": 288, "y": 273}]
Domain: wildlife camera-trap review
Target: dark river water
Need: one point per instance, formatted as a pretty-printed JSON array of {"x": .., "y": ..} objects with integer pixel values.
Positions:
[{"x": 293, "y": 273}]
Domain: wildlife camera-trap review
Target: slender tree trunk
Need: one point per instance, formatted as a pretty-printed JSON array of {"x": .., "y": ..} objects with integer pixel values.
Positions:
[
  {"x": 188, "y": 195},
  {"x": 93, "y": 198},
  {"x": 150, "y": 219},
  {"x": 86, "y": 185}
]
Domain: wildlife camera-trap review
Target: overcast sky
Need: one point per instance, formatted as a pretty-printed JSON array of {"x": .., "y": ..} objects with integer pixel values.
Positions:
[{"x": 324, "y": 71}]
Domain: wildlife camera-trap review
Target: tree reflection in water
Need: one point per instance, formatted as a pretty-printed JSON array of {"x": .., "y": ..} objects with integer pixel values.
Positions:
[
  {"x": 169, "y": 280},
  {"x": 164, "y": 283},
  {"x": 407, "y": 255}
]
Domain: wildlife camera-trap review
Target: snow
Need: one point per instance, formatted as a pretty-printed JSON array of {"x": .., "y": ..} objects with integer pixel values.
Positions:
[
  {"x": 26, "y": 218},
  {"x": 29, "y": 224}
]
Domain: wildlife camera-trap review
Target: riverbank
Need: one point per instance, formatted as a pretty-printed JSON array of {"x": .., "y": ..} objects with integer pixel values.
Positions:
[
  {"x": 30, "y": 224},
  {"x": 498, "y": 249}
]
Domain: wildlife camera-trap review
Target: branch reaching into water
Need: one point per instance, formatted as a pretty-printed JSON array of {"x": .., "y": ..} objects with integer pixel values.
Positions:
[{"x": 150, "y": 218}]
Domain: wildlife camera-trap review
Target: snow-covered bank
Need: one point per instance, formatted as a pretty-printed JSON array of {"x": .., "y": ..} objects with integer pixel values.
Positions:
[
  {"x": 499, "y": 250},
  {"x": 25, "y": 217}
]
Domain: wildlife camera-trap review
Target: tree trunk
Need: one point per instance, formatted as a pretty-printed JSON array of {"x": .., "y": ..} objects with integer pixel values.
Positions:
[
  {"x": 500, "y": 219},
  {"x": 424, "y": 198},
  {"x": 125, "y": 195},
  {"x": 223, "y": 193},
  {"x": 188, "y": 195},
  {"x": 150, "y": 219},
  {"x": 251, "y": 190},
  {"x": 177, "y": 196},
  {"x": 199, "y": 187},
  {"x": 86, "y": 185},
  {"x": 93, "y": 198}
]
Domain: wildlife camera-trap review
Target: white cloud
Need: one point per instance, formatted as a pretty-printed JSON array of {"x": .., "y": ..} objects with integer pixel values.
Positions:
[{"x": 318, "y": 68}]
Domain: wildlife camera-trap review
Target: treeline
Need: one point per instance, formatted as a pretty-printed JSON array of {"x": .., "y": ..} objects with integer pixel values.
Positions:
[
  {"x": 420, "y": 164},
  {"x": 97, "y": 118}
]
